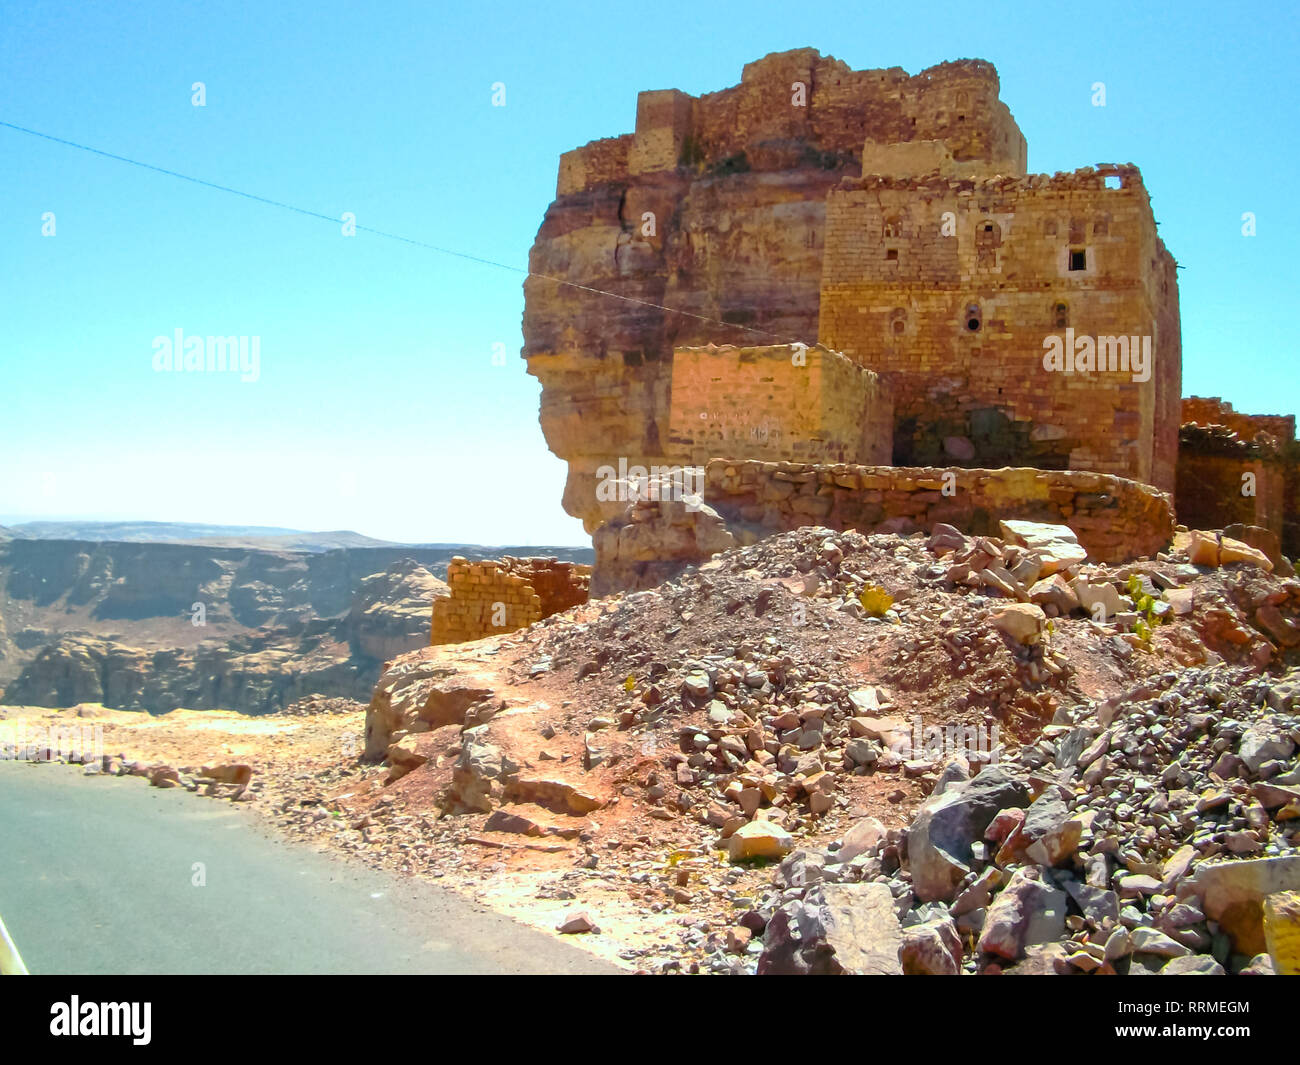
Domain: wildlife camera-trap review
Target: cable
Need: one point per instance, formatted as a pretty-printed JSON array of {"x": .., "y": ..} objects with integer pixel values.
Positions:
[{"x": 392, "y": 236}]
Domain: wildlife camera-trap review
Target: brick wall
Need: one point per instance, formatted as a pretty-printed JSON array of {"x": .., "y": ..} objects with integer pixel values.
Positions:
[
  {"x": 514, "y": 591},
  {"x": 956, "y": 323},
  {"x": 776, "y": 401}
]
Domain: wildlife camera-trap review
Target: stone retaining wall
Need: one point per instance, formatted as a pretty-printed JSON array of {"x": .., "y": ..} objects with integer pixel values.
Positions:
[{"x": 1114, "y": 518}]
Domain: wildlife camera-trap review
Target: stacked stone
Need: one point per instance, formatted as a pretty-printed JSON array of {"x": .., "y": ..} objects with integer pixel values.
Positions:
[
  {"x": 1115, "y": 519},
  {"x": 491, "y": 597}
]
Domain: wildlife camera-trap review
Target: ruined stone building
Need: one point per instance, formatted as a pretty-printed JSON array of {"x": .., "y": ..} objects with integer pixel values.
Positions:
[{"x": 957, "y": 310}]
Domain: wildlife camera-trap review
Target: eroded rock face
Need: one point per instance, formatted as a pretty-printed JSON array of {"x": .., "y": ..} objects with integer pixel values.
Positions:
[
  {"x": 715, "y": 207},
  {"x": 390, "y": 610}
]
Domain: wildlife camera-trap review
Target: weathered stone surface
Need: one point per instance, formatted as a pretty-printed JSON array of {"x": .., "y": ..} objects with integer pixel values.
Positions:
[
  {"x": 759, "y": 839},
  {"x": 1028, "y": 911},
  {"x": 939, "y": 841},
  {"x": 837, "y": 929},
  {"x": 1233, "y": 894},
  {"x": 1056, "y": 546},
  {"x": 1282, "y": 931},
  {"x": 1023, "y": 622},
  {"x": 932, "y": 948}
]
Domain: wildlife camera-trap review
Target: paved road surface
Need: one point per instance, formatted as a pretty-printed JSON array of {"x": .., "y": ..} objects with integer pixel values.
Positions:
[{"x": 96, "y": 877}]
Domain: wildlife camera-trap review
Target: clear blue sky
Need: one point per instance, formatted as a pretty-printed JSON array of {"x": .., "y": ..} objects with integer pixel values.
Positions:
[{"x": 378, "y": 406}]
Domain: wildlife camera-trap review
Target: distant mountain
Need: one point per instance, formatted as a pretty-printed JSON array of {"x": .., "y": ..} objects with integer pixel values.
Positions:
[
  {"x": 256, "y": 538},
  {"x": 175, "y": 532}
]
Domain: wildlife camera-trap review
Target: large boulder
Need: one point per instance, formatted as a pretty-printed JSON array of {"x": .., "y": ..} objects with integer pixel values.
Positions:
[
  {"x": 1029, "y": 910},
  {"x": 1056, "y": 546},
  {"x": 837, "y": 929},
  {"x": 939, "y": 841},
  {"x": 1233, "y": 894}
]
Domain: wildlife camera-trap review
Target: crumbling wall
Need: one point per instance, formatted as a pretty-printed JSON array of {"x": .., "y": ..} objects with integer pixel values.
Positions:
[
  {"x": 495, "y": 596},
  {"x": 1211, "y": 410},
  {"x": 1114, "y": 518},
  {"x": 1225, "y": 479},
  {"x": 949, "y": 288}
]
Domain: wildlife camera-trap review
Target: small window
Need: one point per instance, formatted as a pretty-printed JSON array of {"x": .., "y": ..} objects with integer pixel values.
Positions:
[
  {"x": 893, "y": 226},
  {"x": 1061, "y": 315},
  {"x": 898, "y": 326},
  {"x": 898, "y": 321},
  {"x": 1078, "y": 259},
  {"x": 891, "y": 255},
  {"x": 973, "y": 318},
  {"x": 1112, "y": 181}
]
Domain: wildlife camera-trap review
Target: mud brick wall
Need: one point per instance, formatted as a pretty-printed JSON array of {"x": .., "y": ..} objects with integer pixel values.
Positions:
[
  {"x": 776, "y": 402},
  {"x": 1212, "y": 459},
  {"x": 956, "y": 323},
  {"x": 529, "y": 588},
  {"x": 1114, "y": 518}
]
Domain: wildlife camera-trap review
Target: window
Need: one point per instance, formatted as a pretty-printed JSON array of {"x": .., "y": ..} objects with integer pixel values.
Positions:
[
  {"x": 973, "y": 318},
  {"x": 1061, "y": 315},
  {"x": 1112, "y": 181},
  {"x": 1078, "y": 259},
  {"x": 891, "y": 255},
  {"x": 893, "y": 226}
]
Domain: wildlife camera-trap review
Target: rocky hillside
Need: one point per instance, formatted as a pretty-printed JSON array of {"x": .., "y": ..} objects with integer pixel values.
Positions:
[{"x": 878, "y": 754}]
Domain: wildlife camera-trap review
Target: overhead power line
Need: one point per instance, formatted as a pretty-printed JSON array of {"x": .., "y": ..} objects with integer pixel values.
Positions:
[{"x": 282, "y": 205}]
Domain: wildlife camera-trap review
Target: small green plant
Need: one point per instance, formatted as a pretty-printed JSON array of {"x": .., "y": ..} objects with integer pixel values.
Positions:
[{"x": 1145, "y": 605}]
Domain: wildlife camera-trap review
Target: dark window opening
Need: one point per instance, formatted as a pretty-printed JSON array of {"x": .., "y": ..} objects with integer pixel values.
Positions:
[
  {"x": 1078, "y": 259},
  {"x": 1062, "y": 315},
  {"x": 899, "y": 326},
  {"x": 891, "y": 254},
  {"x": 973, "y": 318}
]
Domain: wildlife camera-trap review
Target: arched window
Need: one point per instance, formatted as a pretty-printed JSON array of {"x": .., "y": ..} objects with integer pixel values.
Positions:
[
  {"x": 893, "y": 226},
  {"x": 898, "y": 321}
]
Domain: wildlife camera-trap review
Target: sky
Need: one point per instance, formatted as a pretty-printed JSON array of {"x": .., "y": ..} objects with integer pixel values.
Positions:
[{"x": 378, "y": 404}]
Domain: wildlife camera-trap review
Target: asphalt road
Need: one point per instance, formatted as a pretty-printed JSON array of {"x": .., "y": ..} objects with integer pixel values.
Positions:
[{"x": 98, "y": 876}]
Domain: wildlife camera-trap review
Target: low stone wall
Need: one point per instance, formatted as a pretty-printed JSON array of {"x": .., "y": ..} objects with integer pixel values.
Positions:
[
  {"x": 1114, "y": 518},
  {"x": 492, "y": 596},
  {"x": 652, "y": 541}
]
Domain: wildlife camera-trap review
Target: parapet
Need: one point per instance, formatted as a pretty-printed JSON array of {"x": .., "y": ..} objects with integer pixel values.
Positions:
[{"x": 799, "y": 107}]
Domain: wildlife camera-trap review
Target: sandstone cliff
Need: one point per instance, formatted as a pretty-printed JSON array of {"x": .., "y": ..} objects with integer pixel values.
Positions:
[{"x": 715, "y": 207}]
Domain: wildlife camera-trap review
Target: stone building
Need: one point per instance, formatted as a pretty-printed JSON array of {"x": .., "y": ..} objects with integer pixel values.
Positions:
[{"x": 825, "y": 266}]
